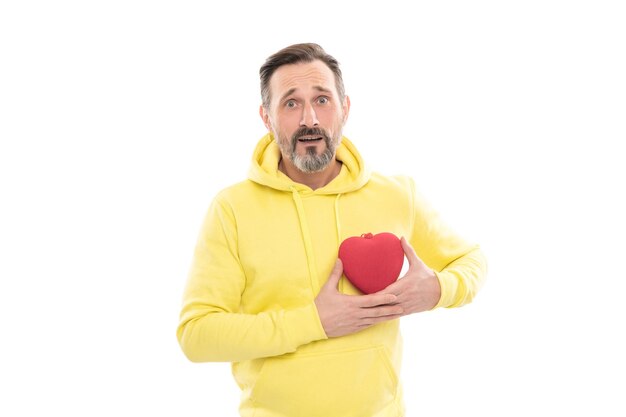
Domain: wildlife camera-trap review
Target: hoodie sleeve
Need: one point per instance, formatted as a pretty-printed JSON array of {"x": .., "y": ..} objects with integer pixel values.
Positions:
[
  {"x": 211, "y": 327},
  {"x": 460, "y": 266}
]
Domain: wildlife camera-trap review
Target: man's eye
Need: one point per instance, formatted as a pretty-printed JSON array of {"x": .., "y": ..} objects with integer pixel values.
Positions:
[
  {"x": 291, "y": 104},
  {"x": 322, "y": 100}
]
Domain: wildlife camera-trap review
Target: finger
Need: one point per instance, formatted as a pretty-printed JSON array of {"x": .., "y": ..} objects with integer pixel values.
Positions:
[
  {"x": 373, "y": 300},
  {"x": 411, "y": 256},
  {"x": 335, "y": 275},
  {"x": 375, "y": 320},
  {"x": 396, "y": 288},
  {"x": 381, "y": 311}
]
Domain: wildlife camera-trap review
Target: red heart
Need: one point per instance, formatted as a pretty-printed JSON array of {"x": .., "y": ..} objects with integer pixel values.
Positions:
[{"x": 372, "y": 262}]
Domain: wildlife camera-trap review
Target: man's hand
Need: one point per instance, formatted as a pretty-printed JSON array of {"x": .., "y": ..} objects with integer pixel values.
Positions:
[
  {"x": 419, "y": 289},
  {"x": 342, "y": 314}
]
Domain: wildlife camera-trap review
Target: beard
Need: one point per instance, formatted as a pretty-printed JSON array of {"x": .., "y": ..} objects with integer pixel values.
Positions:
[{"x": 310, "y": 162}]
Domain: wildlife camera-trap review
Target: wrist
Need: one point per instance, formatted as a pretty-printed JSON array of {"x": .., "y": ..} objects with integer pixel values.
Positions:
[{"x": 434, "y": 288}]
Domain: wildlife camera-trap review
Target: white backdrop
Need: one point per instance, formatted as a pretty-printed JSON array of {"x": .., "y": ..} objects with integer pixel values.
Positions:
[{"x": 119, "y": 121}]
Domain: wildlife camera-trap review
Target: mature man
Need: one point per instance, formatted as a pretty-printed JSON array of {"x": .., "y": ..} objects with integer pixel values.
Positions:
[{"x": 266, "y": 291}]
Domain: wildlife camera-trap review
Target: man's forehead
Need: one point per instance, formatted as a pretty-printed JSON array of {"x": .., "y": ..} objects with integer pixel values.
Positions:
[{"x": 313, "y": 74}]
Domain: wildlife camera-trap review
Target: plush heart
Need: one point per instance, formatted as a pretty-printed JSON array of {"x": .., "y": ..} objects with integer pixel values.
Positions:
[{"x": 372, "y": 262}]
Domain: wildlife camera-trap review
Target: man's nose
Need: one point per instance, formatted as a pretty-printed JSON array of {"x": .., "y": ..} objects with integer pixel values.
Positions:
[{"x": 309, "y": 118}]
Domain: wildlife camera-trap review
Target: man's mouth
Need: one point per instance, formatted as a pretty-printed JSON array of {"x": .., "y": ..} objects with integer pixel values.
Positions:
[{"x": 309, "y": 138}]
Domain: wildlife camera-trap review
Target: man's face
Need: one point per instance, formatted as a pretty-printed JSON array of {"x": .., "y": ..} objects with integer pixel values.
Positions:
[{"x": 306, "y": 114}]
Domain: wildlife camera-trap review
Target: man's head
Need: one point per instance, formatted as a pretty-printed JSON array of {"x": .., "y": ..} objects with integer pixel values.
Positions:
[
  {"x": 297, "y": 54},
  {"x": 304, "y": 105}
]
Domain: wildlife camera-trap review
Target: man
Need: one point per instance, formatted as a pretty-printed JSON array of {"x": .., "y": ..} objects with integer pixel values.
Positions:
[{"x": 266, "y": 290}]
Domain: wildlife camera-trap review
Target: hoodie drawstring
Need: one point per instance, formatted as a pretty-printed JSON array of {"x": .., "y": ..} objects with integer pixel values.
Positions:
[
  {"x": 337, "y": 224},
  {"x": 338, "y": 227},
  {"x": 306, "y": 237}
]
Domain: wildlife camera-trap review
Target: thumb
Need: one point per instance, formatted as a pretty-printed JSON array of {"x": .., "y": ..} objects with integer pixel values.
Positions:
[
  {"x": 410, "y": 254},
  {"x": 415, "y": 263},
  {"x": 335, "y": 275}
]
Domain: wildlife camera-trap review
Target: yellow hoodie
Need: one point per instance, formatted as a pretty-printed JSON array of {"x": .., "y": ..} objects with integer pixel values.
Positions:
[{"x": 267, "y": 246}]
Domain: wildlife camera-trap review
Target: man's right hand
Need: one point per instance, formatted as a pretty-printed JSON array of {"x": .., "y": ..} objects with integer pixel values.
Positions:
[{"x": 342, "y": 314}]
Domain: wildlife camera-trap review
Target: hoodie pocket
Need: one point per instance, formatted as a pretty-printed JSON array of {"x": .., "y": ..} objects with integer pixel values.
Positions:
[{"x": 347, "y": 383}]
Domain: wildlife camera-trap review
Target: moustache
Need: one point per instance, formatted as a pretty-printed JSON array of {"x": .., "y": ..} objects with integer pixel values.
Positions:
[{"x": 309, "y": 131}]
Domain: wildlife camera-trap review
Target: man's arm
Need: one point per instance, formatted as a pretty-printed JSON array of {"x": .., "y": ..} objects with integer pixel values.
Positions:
[
  {"x": 448, "y": 271},
  {"x": 211, "y": 327},
  {"x": 422, "y": 289},
  {"x": 210, "y": 336}
]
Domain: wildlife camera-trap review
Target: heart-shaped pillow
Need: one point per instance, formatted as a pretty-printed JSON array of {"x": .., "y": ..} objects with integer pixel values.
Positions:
[{"x": 372, "y": 262}]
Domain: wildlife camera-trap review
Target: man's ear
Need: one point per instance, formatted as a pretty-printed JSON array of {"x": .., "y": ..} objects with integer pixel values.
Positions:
[
  {"x": 265, "y": 117},
  {"x": 346, "y": 108}
]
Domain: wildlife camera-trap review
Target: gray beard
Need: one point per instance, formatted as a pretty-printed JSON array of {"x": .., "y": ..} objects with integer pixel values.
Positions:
[{"x": 312, "y": 162}]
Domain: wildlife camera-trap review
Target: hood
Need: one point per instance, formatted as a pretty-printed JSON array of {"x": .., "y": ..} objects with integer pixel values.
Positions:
[{"x": 264, "y": 169}]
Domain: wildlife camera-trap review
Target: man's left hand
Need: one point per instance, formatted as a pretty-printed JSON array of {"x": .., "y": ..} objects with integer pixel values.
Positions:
[{"x": 418, "y": 290}]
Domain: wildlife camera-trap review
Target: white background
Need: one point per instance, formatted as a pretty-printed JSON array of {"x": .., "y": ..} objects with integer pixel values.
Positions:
[{"x": 119, "y": 121}]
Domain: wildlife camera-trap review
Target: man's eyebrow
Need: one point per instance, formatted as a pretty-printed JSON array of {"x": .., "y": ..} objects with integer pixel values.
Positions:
[
  {"x": 316, "y": 87},
  {"x": 322, "y": 89},
  {"x": 288, "y": 93}
]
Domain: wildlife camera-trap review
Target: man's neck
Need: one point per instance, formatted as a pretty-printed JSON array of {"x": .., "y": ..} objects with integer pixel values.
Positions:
[{"x": 313, "y": 180}]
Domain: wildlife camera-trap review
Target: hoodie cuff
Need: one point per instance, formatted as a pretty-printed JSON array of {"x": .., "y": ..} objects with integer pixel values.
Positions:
[
  {"x": 449, "y": 284},
  {"x": 303, "y": 325}
]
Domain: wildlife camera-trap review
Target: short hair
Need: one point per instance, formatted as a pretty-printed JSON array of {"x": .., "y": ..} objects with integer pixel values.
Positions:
[{"x": 295, "y": 54}]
